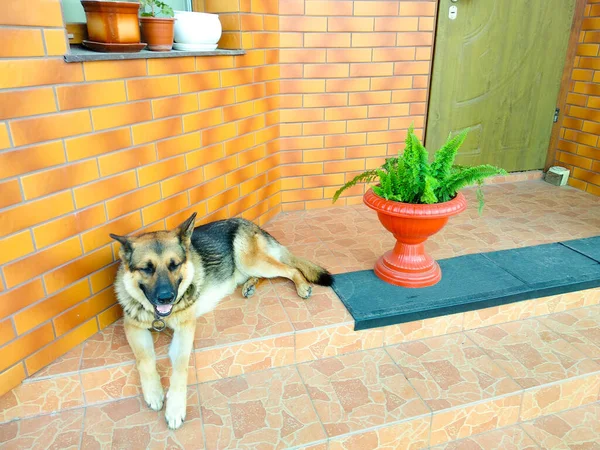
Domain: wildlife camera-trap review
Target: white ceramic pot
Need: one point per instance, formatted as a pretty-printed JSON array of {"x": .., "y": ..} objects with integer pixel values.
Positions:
[{"x": 196, "y": 31}]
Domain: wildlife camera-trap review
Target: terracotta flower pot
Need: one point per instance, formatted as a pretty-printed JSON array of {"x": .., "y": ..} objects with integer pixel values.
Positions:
[
  {"x": 407, "y": 264},
  {"x": 158, "y": 33},
  {"x": 112, "y": 22}
]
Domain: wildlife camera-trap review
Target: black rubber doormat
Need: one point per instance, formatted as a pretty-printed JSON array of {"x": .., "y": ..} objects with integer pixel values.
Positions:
[{"x": 473, "y": 282}]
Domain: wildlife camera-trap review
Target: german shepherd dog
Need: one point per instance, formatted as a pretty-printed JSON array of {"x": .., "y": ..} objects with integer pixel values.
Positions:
[{"x": 169, "y": 278}]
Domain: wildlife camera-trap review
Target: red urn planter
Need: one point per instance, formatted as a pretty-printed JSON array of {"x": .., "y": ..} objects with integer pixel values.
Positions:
[{"x": 408, "y": 264}]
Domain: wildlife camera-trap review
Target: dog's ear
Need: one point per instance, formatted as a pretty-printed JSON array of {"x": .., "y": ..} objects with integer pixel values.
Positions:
[
  {"x": 185, "y": 230},
  {"x": 126, "y": 247}
]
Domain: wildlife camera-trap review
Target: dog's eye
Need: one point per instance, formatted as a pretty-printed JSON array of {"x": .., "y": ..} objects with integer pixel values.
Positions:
[
  {"x": 147, "y": 270},
  {"x": 173, "y": 266}
]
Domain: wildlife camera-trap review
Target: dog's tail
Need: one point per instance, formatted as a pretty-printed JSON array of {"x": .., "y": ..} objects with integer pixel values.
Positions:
[{"x": 313, "y": 273}]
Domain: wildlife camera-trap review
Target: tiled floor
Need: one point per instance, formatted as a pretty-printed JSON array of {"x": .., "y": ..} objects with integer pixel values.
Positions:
[
  {"x": 360, "y": 390},
  {"x": 575, "y": 429},
  {"x": 532, "y": 354},
  {"x": 336, "y": 398},
  {"x": 581, "y": 328},
  {"x": 276, "y": 371},
  {"x": 128, "y": 424},
  {"x": 423, "y": 392},
  {"x": 515, "y": 215},
  {"x": 450, "y": 371},
  {"x": 260, "y": 410}
]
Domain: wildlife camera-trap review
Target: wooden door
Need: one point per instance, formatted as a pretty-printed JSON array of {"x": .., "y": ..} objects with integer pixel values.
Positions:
[{"x": 497, "y": 69}]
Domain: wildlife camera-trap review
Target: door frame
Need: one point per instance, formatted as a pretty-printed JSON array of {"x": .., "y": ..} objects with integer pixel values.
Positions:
[{"x": 561, "y": 101}]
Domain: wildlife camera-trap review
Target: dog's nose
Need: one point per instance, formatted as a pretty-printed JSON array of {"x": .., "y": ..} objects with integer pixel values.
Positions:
[{"x": 165, "y": 296}]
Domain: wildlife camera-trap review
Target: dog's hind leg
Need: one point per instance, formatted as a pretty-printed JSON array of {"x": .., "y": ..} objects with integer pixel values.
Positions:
[
  {"x": 269, "y": 267},
  {"x": 179, "y": 353},
  {"x": 140, "y": 341},
  {"x": 260, "y": 257},
  {"x": 263, "y": 265}
]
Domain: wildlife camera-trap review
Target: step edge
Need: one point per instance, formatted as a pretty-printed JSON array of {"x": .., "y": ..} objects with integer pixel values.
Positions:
[
  {"x": 294, "y": 333},
  {"x": 520, "y": 392}
]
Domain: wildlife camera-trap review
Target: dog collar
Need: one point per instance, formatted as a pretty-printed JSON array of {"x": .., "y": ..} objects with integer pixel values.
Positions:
[{"x": 158, "y": 324}]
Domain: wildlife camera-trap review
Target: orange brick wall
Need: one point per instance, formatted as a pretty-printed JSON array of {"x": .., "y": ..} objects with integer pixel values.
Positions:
[
  {"x": 119, "y": 146},
  {"x": 354, "y": 76},
  {"x": 94, "y": 148},
  {"x": 577, "y": 147}
]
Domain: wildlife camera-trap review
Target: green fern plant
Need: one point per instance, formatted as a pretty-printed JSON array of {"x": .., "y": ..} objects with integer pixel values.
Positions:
[{"x": 410, "y": 178}]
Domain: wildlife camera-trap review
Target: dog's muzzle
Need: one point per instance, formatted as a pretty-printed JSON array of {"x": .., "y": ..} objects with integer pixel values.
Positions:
[
  {"x": 164, "y": 300},
  {"x": 162, "y": 309}
]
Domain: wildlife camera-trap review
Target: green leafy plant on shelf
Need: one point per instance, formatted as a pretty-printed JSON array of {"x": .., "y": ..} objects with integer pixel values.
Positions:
[
  {"x": 155, "y": 8},
  {"x": 410, "y": 178}
]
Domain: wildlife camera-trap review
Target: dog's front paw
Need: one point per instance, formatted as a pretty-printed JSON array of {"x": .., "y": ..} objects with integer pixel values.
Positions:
[
  {"x": 154, "y": 396},
  {"x": 176, "y": 405}
]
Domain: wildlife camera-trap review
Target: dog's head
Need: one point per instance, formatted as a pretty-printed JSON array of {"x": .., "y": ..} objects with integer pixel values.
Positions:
[{"x": 157, "y": 266}]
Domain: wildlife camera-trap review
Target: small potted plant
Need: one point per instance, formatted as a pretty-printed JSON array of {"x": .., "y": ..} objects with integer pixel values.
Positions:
[
  {"x": 157, "y": 24},
  {"x": 414, "y": 200},
  {"x": 112, "y": 25}
]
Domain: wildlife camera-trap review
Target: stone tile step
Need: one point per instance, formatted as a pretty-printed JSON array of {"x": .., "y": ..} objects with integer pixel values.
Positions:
[
  {"x": 125, "y": 424},
  {"x": 255, "y": 411},
  {"x": 474, "y": 282},
  {"x": 577, "y": 428},
  {"x": 421, "y": 393},
  {"x": 103, "y": 368}
]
